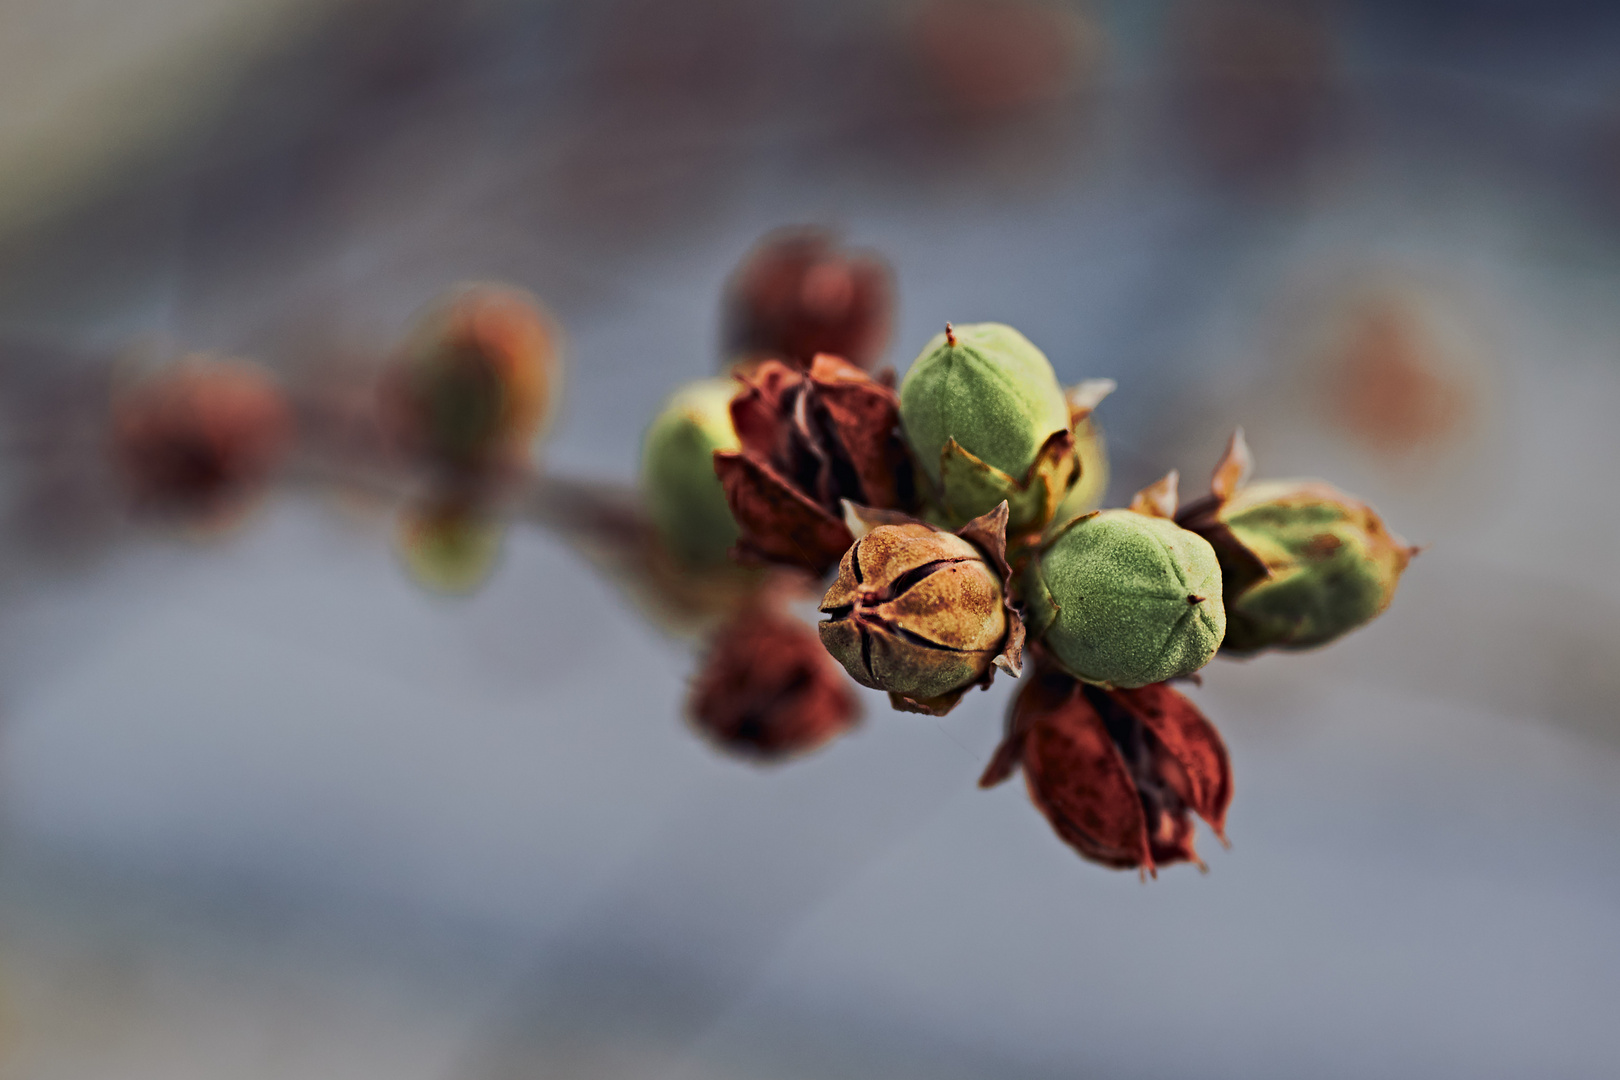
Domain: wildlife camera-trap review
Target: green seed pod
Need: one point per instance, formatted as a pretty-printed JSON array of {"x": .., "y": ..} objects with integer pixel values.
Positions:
[
  {"x": 987, "y": 421},
  {"x": 683, "y": 494},
  {"x": 1122, "y": 599},
  {"x": 1326, "y": 564}
]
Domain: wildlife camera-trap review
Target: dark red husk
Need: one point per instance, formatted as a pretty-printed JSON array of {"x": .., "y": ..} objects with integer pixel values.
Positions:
[
  {"x": 768, "y": 690},
  {"x": 809, "y": 441},
  {"x": 201, "y": 439},
  {"x": 1116, "y": 772},
  {"x": 797, "y": 294}
]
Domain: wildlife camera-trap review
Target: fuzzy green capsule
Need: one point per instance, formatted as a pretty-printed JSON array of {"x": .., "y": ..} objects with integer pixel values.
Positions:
[
  {"x": 986, "y": 420},
  {"x": 683, "y": 494},
  {"x": 1122, "y": 599},
  {"x": 1319, "y": 564}
]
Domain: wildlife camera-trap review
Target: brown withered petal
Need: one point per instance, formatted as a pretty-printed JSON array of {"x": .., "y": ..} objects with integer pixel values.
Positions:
[
  {"x": 768, "y": 690},
  {"x": 798, "y": 294},
  {"x": 1116, "y": 772},
  {"x": 776, "y": 522}
]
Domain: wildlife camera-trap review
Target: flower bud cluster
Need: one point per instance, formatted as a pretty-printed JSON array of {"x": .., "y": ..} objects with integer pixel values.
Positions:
[{"x": 959, "y": 512}]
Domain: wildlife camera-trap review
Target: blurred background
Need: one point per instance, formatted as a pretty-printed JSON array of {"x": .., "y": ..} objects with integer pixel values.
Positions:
[{"x": 268, "y": 809}]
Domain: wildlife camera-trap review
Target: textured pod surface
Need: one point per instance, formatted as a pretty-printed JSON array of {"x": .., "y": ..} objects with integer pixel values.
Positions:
[
  {"x": 1122, "y": 599},
  {"x": 981, "y": 400},
  {"x": 1330, "y": 562},
  {"x": 683, "y": 494},
  {"x": 915, "y": 611}
]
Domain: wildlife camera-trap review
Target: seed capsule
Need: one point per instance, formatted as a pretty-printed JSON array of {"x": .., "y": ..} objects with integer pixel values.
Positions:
[
  {"x": 683, "y": 494},
  {"x": 987, "y": 421},
  {"x": 1122, "y": 599},
  {"x": 1302, "y": 562},
  {"x": 923, "y": 613},
  {"x": 1327, "y": 565}
]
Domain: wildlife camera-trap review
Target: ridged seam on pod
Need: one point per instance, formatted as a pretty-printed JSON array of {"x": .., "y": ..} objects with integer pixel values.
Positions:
[
  {"x": 1122, "y": 599},
  {"x": 986, "y": 420},
  {"x": 683, "y": 495},
  {"x": 923, "y": 613}
]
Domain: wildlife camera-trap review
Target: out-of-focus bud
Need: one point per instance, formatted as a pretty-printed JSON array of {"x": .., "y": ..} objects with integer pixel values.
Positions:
[
  {"x": 988, "y": 422},
  {"x": 683, "y": 494},
  {"x": 810, "y": 441},
  {"x": 1090, "y": 447},
  {"x": 1302, "y": 562},
  {"x": 798, "y": 294},
  {"x": 1116, "y": 772},
  {"x": 1124, "y": 599},
  {"x": 449, "y": 543},
  {"x": 768, "y": 690},
  {"x": 477, "y": 379},
  {"x": 923, "y": 613},
  {"x": 200, "y": 440}
]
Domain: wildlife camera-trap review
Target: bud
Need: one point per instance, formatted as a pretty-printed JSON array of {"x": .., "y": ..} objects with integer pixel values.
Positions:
[
  {"x": 797, "y": 294},
  {"x": 923, "y": 613},
  {"x": 768, "y": 690},
  {"x": 1116, "y": 772},
  {"x": 988, "y": 422},
  {"x": 476, "y": 381},
  {"x": 1303, "y": 563},
  {"x": 200, "y": 439},
  {"x": 683, "y": 494},
  {"x": 810, "y": 441},
  {"x": 1122, "y": 599}
]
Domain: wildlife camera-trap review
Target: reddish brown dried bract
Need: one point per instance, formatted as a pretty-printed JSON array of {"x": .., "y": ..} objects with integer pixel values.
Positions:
[
  {"x": 809, "y": 441},
  {"x": 1116, "y": 772},
  {"x": 768, "y": 690},
  {"x": 797, "y": 294},
  {"x": 200, "y": 440}
]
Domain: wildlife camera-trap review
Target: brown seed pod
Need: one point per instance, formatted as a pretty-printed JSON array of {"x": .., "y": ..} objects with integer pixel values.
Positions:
[
  {"x": 798, "y": 294},
  {"x": 767, "y": 689},
  {"x": 200, "y": 440},
  {"x": 924, "y": 613}
]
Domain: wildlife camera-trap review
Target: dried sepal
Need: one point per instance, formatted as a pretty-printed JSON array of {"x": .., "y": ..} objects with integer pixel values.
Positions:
[
  {"x": 809, "y": 441},
  {"x": 1116, "y": 772},
  {"x": 1234, "y": 468},
  {"x": 969, "y": 485},
  {"x": 1158, "y": 499},
  {"x": 860, "y": 520},
  {"x": 777, "y": 523},
  {"x": 1084, "y": 397}
]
